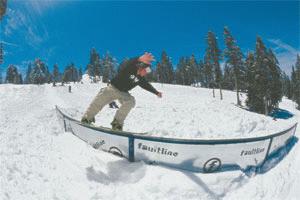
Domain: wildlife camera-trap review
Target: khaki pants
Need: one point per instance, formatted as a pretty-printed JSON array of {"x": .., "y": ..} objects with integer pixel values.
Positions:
[{"x": 107, "y": 95}]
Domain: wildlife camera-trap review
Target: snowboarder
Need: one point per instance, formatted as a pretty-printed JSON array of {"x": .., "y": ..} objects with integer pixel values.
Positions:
[{"x": 132, "y": 73}]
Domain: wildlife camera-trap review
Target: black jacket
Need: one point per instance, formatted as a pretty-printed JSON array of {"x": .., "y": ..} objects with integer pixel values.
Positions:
[{"x": 127, "y": 78}]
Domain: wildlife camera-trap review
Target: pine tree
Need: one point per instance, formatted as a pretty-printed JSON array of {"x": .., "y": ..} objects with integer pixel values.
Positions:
[
  {"x": 13, "y": 76},
  {"x": 39, "y": 73},
  {"x": 200, "y": 73},
  {"x": 186, "y": 72},
  {"x": 90, "y": 70},
  {"x": 27, "y": 78},
  {"x": 10, "y": 74},
  {"x": 264, "y": 80},
  {"x": 179, "y": 75},
  {"x": 109, "y": 68},
  {"x": 48, "y": 75},
  {"x": 260, "y": 84},
  {"x": 234, "y": 59},
  {"x": 94, "y": 68},
  {"x": 293, "y": 83},
  {"x": 208, "y": 73},
  {"x": 228, "y": 79},
  {"x": 93, "y": 60},
  {"x": 165, "y": 69},
  {"x": 1, "y": 80},
  {"x": 274, "y": 92},
  {"x": 73, "y": 73},
  {"x": 18, "y": 79},
  {"x": 213, "y": 56},
  {"x": 80, "y": 74},
  {"x": 296, "y": 83},
  {"x": 66, "y": 75},
  {"x": 98, "y": 68},
  {"x": 55, "y": 74},
  {"x": 251, "y": 89},
  {"x": 193, "y": 70},
  {"x": 70, "y": 74},
  {"x": 286, "y": 85},
  {"x": 160, "y": 72},
  {"x": 1, "y": 53}
]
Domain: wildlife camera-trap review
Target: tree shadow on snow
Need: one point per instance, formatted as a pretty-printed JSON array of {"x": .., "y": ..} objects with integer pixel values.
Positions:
[
  {"x": 281, "y": 114},
  {"x": 274, "y": 158},
  {"x": 275, "y": 114}
]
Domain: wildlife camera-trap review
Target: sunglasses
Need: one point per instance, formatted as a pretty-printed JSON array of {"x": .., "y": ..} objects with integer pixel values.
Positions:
[{"x": 145, "y": 66}]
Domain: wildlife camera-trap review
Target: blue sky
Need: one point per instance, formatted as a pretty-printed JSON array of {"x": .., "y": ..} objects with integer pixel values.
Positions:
[{"x": 64, "y": 31}]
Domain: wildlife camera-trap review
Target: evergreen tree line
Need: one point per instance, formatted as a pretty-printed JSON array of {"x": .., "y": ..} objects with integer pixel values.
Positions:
[
  {"x": 38, "y": 73},
  {"x": 12, "y": 75},
  {"x": 105, "y": 67},
  {"x": 258, "y": 73},
  {"x": 291, "y": 84}
]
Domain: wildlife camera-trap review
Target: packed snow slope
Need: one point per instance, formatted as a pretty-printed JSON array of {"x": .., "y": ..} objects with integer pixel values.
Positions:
[{"x": 38, "y": 160}]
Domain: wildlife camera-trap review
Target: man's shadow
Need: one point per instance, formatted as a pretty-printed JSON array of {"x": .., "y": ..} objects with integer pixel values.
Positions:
[{"x": 120, "y": 171}]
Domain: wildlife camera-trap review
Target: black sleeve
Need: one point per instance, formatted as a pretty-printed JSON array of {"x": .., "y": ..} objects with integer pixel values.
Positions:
[{"x": 143, "y": 83}]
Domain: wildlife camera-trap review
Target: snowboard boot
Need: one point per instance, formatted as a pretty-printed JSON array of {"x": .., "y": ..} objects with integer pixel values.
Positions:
[
  {"x": 116, "y": 126},
  {"x": 84, "y": 120}
]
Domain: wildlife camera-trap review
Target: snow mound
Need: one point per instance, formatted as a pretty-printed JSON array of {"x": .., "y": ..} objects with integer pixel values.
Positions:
[
  {"x": 40, "y": 161},
  {"x": 183, "y": 112}
]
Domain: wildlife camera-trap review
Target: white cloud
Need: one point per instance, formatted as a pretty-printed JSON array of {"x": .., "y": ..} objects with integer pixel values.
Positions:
[
  {"x": 9, "y": 43},
  {"x": 6, "y": 53},
  {"x": 285, "y": 53},
  {"x": 33, "y": 36},
  {"x": 24, "y": 21},
  {"x": 284, "y": 46},
  {"x": 16, "y": 19},
  {"x": 39, "y": 6}
]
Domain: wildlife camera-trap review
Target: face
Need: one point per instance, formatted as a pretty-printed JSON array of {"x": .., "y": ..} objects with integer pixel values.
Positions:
[{"x": 142, "y": 71}]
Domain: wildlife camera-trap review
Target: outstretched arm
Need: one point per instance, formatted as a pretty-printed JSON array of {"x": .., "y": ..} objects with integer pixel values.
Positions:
[{"x": 143, "y": 83}]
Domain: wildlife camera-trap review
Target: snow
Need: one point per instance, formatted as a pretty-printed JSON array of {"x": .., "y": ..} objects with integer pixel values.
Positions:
[
  {"x": 183, "y": 112},
  {"x": 40, "y": 161}
]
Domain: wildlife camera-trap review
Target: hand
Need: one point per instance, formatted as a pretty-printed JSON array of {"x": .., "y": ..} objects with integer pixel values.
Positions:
[
  {"x": 146, "y": 58},
  {"x": 159, "y": 94}
]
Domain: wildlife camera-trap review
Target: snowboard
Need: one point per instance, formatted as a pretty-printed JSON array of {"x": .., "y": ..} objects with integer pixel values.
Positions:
[
  {"x": 107, "y": 129},
  {"x": 100, "y": 128}
]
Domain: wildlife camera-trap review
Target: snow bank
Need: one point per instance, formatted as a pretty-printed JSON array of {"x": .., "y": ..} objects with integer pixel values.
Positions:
[
  {"x": 40, "y": 161},
  {"x": 183, "y": 112}
]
